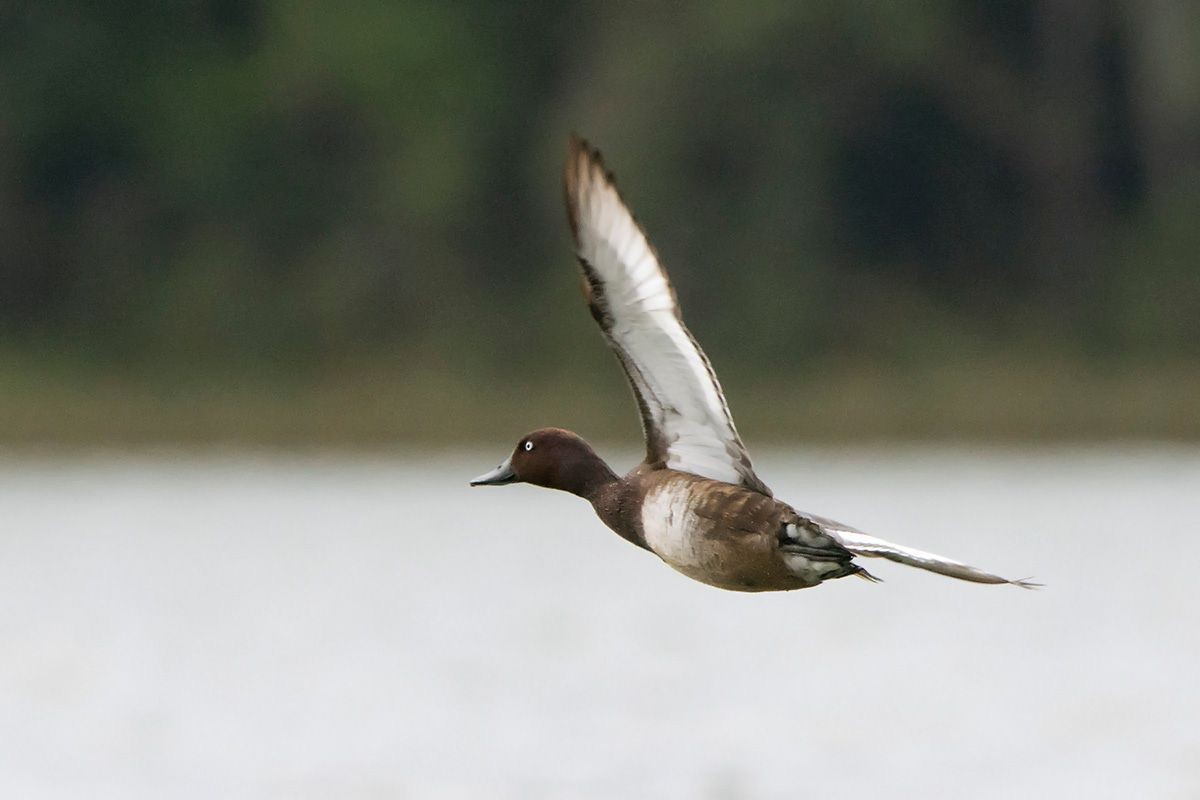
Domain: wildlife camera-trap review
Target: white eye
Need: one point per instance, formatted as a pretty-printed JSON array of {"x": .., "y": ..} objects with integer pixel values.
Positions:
[{"x": 528, "y": 446}]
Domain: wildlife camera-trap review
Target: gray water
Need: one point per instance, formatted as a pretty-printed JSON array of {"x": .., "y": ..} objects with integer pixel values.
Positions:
[{"x": 292, "y": 627}]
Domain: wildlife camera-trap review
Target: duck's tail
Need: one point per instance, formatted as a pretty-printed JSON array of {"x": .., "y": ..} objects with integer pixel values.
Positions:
[{"x": 873, "y": 547}]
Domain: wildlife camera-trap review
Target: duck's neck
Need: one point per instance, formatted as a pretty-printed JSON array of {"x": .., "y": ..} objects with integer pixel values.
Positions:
[{"x": 587, "y": 478}]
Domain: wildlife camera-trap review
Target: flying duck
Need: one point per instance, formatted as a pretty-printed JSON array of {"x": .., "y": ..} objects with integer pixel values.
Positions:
[{"x": 695, "y": 501}]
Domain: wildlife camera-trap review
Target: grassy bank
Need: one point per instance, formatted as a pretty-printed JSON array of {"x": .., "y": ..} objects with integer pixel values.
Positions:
[{"x": 377, "y": 405}]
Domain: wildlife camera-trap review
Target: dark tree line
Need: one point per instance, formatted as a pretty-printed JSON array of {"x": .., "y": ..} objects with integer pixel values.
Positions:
[{"x": 215, "y": 182}]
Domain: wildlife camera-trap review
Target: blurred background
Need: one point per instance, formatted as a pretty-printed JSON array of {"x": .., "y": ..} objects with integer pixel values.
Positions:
[
  {"x": 289, "y": 222},
  {"x": 277, "y": 277}
]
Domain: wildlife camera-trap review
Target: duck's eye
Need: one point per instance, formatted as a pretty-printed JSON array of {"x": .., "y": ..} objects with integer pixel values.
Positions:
[{"x": 528, "y": 446}]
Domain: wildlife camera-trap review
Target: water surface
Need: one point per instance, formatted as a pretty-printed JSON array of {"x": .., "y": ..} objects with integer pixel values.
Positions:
[{"x": 295, "y": 626}]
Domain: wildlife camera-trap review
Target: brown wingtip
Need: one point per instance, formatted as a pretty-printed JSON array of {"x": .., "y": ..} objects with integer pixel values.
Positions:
[
  {"x": 580, "y": 148},
  {"x": 575, "y": 143},
  {"x": 577, "y": 148},
  {"x": 584, "y": 166}
]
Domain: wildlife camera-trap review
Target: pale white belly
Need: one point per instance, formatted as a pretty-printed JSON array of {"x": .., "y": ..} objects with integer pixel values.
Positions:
[{"x": 671, "y": 529}]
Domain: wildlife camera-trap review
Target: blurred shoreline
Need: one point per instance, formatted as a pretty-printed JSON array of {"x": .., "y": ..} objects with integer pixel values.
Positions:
[
  {"x": 373, "y": 406},
  {"x": 314, "y": 225}
]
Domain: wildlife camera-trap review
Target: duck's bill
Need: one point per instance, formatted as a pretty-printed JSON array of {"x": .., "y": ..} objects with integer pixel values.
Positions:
[{"x": 498, "y": 477}]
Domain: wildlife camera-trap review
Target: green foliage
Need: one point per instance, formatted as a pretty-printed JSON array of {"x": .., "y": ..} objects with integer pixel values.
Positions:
[{"x": 215, "y": 188}]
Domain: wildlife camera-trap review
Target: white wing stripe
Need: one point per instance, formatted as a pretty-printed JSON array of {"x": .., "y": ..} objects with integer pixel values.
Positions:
[{"x": 687, "y": 421}]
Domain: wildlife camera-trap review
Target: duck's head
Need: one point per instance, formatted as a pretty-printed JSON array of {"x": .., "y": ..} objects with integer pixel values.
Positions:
[{"x": 554, "y": 458}]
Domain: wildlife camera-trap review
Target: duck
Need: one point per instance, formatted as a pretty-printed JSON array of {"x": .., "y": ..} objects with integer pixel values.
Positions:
[{"x": 695, "y": 500}]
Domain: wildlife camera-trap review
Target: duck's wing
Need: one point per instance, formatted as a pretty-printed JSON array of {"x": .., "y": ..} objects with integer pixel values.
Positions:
[
  {"x": 861, "y": 544},
  {"x": 684, "y": 414}
]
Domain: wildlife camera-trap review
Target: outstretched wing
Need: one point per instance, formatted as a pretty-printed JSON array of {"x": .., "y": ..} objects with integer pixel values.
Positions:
[
  {"x": 684, "y": 414},
  {"x": 861, "y": 544}
]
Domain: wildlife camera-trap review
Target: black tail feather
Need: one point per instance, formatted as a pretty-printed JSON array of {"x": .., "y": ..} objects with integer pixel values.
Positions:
[{"x": 862, "y": 573}]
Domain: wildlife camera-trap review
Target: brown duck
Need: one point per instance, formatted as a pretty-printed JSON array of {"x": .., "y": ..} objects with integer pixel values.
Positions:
[{"x": 694, "y": 501}]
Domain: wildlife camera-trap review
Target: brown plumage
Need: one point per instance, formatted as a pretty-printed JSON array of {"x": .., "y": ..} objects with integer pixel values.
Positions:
[{"x": 695, "y": 501}]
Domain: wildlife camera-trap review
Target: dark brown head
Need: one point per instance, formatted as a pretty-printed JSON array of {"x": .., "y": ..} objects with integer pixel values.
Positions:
[{"x": 554, "y": 458}]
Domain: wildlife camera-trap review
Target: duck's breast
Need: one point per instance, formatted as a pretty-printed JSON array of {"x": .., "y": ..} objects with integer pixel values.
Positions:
[{"x": 671, "y": 527}]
